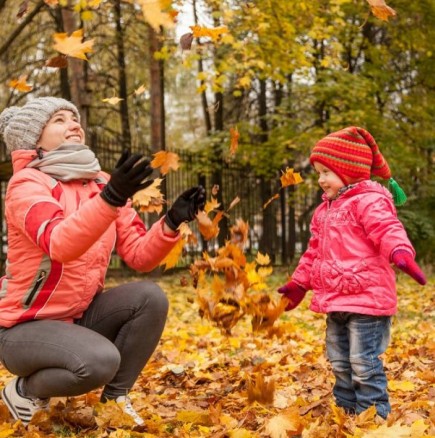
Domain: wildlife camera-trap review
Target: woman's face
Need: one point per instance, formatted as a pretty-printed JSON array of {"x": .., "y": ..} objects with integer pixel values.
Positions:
[
  {"x": 63, "y": 127},
  {"x": 329, "y": 181}
]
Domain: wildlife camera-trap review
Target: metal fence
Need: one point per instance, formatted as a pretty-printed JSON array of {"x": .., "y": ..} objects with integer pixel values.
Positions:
[{"x": 291, "y": 212}]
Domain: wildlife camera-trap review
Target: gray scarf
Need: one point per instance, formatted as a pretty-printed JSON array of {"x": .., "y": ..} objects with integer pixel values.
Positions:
[{"x": 67, "y": 162}]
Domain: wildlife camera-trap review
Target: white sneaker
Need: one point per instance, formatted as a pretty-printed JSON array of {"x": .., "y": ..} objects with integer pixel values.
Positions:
[
  {"x": 125, "y": 404},
  {"x": 22, "y": 408}
]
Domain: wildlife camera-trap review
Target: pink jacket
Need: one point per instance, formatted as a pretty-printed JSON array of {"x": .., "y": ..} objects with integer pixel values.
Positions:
[
  {"x": 60, "y": 239},
  {"x": 347, "y": 263}
]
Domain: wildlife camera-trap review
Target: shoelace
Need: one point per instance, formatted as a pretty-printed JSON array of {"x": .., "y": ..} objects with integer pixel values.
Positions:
[{"x": 129, "y": 409}]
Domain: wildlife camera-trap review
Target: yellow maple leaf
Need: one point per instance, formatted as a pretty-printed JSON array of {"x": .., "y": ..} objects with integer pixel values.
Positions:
[
  {"x": 72, "y": 45},
  {"x": 213, "y": 33},
  {"x": 397, "y": 385},
  {"x": 211, "y": 205},
  {"x": 172, "y": 258},
  {"x": 112, "y": 100},
  {"x": 166, "y": 161},
  {"x": 150, "y": 199},
  {"x": 20, "y": 84},
  {"x": 290, "y": 178},
  {"x": 153, "y": 13},
  {"x": 234, "y": 140},
  {"x": 381, "y": 10},
  {"x": 262, "y": 259}
]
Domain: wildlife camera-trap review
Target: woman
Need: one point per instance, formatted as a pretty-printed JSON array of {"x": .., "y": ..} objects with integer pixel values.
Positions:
[{"x": 59, "y": 333}]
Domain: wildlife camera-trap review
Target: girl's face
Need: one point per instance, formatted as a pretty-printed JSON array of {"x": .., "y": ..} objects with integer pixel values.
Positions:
[
  {"x": 329, "y": 181},
  {"x": 63, "y": 127}
]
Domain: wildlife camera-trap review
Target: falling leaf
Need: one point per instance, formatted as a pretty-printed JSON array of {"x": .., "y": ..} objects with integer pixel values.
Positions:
[
  {"x": 72, "y": 45},
  {"x": 153, "y": 13},
  {"x": 215, "y": 190},
  {"x": 234, "y": 202},
  {"x": 186, "y": 41},
  {"x": 174, "y": 255},
  {"x": 51, "y": 3},
  {"x": 150, "y": 199},
  {"x": 259, "y": 390},
  {"x": 112, "y": 100},
  {"x": 262, "y": 259},
  {"x": 166, "y": 161},
  {"x": 276, "y": 196},
  {"x": 23, "y": 9},
  {"x": 234, "y": 136},
  {"x": 60, "y": 61},
  {"x": 381, "y": 10},
  {"x": 290, "y": 178},
  {"x": 211, "y": 205},
  {"x": 207, "y": 227},
  {"x": 239, "y": 232},
  {"x": 20, "y": 84},
  {"x": 140, "y": 90},
  {"x": 213, "y": 33}
]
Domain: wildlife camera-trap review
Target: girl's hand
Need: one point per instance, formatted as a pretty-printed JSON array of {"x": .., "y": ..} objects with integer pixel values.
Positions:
[
  {"x": 405, "y": 262},
  {"x": 294, "y": 293}
]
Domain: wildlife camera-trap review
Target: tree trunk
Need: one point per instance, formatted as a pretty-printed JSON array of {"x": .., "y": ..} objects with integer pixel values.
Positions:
[{"x": 122, "y": 78}]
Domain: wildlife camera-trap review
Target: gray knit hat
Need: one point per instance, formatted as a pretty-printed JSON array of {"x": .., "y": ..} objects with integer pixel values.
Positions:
[{"x": 21, "y": 127}]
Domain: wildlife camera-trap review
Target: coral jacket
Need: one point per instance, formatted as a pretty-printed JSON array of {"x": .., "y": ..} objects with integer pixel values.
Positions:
[
  {"x": 347, "y": 263},
  {"x": 60, "y": 239}
]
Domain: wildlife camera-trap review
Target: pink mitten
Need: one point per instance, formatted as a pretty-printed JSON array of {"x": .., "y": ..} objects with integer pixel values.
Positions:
[
  {"x": 294, "y": 293},
  {"x": 405, "y": 262}
]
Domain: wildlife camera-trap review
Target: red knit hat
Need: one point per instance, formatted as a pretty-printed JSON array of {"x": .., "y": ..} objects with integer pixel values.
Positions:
[{"x": 351, "y": 153}]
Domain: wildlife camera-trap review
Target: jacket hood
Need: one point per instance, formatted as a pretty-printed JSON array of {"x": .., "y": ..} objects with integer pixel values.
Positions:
[
  {"x": 21, "y": 158},
  {"x": 363, "y": 187}
]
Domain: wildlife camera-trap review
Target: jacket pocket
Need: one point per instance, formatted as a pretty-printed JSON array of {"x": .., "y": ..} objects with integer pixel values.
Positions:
[
  {"x": 347, "y": 280},
  {"x": 34, "y": 290}
]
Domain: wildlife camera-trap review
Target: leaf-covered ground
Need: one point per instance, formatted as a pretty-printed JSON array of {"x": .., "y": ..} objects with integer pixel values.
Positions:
[{"x": 201, "y": 383}]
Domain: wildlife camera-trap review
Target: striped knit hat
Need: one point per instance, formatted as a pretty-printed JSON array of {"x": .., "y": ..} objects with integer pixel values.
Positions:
[{"x": 351, "y": 153}]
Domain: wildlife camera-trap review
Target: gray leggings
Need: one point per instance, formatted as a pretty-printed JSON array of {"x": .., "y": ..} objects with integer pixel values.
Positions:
[{"x": 108, "y": 346}]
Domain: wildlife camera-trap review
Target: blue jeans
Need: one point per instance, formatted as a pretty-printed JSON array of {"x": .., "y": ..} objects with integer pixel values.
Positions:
[{"x": 353, "y": 345}]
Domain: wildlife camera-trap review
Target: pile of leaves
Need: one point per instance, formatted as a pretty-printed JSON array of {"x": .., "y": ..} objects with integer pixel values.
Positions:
[{"x": 202, "y": 382}]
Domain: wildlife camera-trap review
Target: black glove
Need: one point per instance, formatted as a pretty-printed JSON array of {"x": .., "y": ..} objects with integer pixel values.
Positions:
[
  {"x": 127, "y": 179},
  {"x": 186, "y": 207}
]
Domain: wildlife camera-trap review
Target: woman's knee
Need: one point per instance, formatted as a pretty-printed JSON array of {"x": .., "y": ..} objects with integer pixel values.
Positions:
[
  {"x": 101, "y": 366},
  {"x": 154, "y": 298}
]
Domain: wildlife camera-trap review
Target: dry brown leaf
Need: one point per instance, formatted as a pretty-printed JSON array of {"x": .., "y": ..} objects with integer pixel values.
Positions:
[
  {"x": 60, "y": 61},
  {"x": 73, "y": 45},
  {"x": 260, "y": 390},
  {"x": 165, "y": 161},
  {"x": 186, "y": 41}
]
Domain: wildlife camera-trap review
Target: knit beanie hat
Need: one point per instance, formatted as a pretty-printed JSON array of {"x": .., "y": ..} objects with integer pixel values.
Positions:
[
  {"x": 353, "y": 154},
  {"x": 21, "y": 127}
]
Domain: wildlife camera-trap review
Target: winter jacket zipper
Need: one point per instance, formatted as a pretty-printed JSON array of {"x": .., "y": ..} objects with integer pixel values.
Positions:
[{"x": 35, "y": 288}]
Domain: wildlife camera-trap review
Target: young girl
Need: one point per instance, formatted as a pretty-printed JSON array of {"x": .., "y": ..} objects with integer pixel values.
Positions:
[
  {"x": 59, "y": 333},
  {"x": 355, "y": 236}
]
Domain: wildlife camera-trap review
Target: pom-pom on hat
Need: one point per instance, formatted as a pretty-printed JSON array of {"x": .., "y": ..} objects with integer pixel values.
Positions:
[
  {"x": 353, "y": 154},
  {"x": 21, "y": 127}
]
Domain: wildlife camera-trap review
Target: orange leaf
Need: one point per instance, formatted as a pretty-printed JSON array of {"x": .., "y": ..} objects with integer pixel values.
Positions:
[
  {"x": 20, "y": 84},
  {"x": 165, "y": 160},
  {"x": 234, "y": 202},
  {"x": 213, "y": 33},
  {"x": 381, "y": 10},
  {"x": 72, "y": 45},
  {"x": 276, "y": 196},
  {"x": 172, "y": 258},
  {"x": 211, "y": 205},
  {"x": 234, "y": 136},
  {"x": 290, "y": 178}
]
